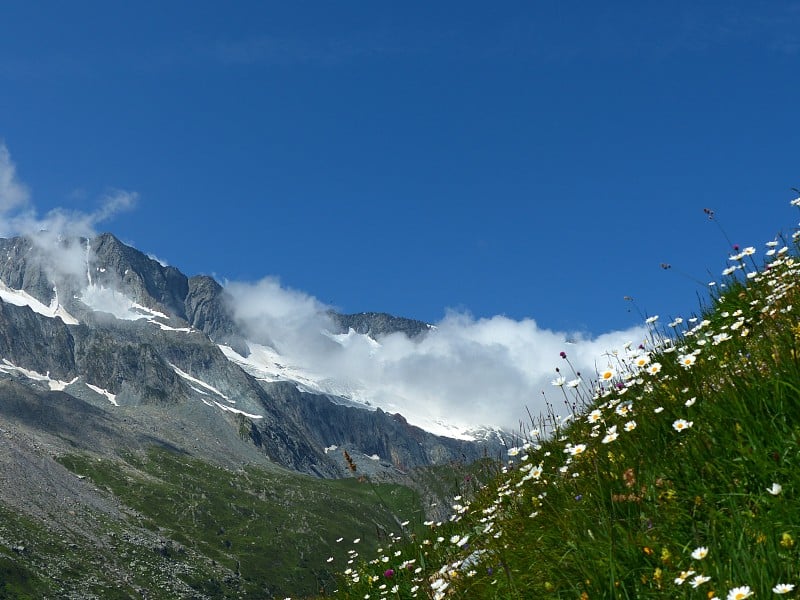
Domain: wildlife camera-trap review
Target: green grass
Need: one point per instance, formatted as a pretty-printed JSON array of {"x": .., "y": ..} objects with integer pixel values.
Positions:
[
  {"x": 623, "y": 501},
  {"x": 52, "y": 565},
  {"x": 272, "y": 532}
]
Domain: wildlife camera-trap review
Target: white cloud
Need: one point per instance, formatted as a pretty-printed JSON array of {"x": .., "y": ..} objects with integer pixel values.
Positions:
[
  {"x": 19, "y": 217},
  {"x": 13, "y": 194},
  {"x": 288, "y": 320},
  {"x": 465, "y": 372},
  {"x": 54, "y": 233}
]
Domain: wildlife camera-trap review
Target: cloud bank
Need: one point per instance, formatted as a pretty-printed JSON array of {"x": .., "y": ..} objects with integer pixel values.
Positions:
[{"x": 465, "y": 372}]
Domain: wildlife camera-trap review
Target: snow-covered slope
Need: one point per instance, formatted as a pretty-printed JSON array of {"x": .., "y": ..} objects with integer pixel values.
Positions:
[{"x": 268, "y": 365}]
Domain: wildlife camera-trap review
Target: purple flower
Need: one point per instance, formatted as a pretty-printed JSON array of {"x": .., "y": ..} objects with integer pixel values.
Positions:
[
  {"x": 562, "y": 354},
  {"x": 388, "y": 573}
]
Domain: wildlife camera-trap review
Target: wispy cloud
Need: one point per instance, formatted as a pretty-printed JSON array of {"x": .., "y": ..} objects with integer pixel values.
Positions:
[
  {"x": 14, "y": 195},
  {"x": 18, "y": 216},
  {"x": 465, "y": 372}
]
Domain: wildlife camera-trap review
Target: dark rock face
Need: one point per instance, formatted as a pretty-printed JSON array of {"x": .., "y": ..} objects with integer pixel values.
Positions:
[
  {"x": 388, "y": 436},
  {"x": 379, "y": 324},
  {"x": 21, "y": 268},
  {"x": 143, "y": 279},
  {"x": 207, "y": 310},
  {"x": 34, "y": 342}
]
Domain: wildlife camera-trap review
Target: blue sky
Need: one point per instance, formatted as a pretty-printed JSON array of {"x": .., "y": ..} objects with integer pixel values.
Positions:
[{"x": 528, "y": 159}]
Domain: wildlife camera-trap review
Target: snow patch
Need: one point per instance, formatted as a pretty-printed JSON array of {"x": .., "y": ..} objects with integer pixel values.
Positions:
[
  {"x": 111, "y": 397},
  {"x": 265, "y": 364},
  {"x": 107, "y": 300},
  {"x": 202, "y": 384},
  {"x": 351, "y": 338},
  {"x": 238, "y": 412},
  {"x": 111, "y": 301},
  {"x": 23, "y": 298},
  {"x": 168, "y": 328},
  {"x": 55, "y": 385}
]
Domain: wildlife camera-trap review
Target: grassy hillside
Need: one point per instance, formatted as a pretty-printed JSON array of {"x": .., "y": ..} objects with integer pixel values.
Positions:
[
  {"x": 676, "y": 473},
  {"x": 193, "y": 529}
]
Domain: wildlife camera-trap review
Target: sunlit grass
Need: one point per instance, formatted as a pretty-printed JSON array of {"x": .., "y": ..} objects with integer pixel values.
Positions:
[{"x": 676, "y": 473}]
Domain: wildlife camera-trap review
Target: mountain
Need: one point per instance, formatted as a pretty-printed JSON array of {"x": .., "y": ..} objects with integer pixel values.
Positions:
[
  {"x": 379, "y": 324},
  {"x": 107, "y": 353},
  {"x": 100, "y": 317}
]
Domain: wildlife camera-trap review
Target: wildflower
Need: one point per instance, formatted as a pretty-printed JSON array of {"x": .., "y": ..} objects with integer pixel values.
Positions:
[
  {"x": 699, "y": 580},
  {"x": 700, "y": 553},
  {"x": 573, "y": 383},
  {"x": 686, "y": 360},
  {"x": 607, "y": 374},
  {"x": 388, "y": 573},
  {"x": 775, "y": 489},
  {"x": 787, "y": 541},
  {"x": 654, "y": 368},
  {"x": 658, "y": 409},
  {"x": 575, "y": 450},
  {"x": 722, "y": 337},
  {"x": 611, "y": 435},
  {"x": 558, "y": 381},
  {"x": 783, "y": 588},
  {"x": 740, "y": 593},
  {"x": 630, "y": 425},
  {"x": 562, "y": 354},
  {"x": 594, "y": 416},
  {"x": 642, "y": 360},
  {"x": 690, "y": 402},
  {"x": 680, "y": 579},
  {"x": 623, "y": 409},
  {"x": 681, "y": 424}
]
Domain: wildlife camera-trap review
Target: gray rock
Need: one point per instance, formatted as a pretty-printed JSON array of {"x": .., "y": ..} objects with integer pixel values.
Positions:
[{"x": 376, "y": 324}]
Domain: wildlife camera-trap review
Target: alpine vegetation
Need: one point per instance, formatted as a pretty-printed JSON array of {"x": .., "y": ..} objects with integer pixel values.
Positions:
[{"x": 673, "y": 472}]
